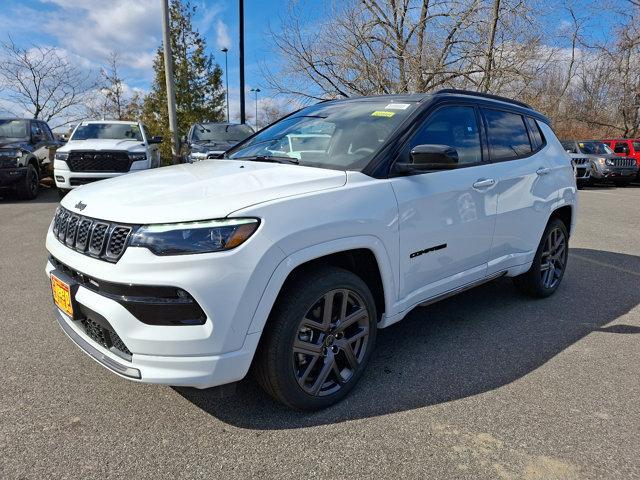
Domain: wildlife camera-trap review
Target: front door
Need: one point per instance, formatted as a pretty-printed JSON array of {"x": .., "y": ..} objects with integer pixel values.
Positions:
[{"x": 446, "y": 218}]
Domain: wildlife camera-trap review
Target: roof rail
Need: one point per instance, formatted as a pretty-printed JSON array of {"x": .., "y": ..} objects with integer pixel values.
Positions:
[{"x": 485, "y": 95}]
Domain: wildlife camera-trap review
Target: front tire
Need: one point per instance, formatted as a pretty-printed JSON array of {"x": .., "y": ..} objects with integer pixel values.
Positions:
[
  {"x": 549, "y": 264},
  {"x": 27, "y": 188},
  {"x": 318, "y": 340}
]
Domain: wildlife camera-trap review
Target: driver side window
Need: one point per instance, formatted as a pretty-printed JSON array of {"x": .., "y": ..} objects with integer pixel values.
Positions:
[{"x": 456, "y": 127}]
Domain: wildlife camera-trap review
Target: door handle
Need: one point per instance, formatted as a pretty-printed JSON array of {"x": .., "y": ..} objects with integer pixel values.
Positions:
[
  {"x": 543, "y": 171},
  {"x": 485, "y": 183}
]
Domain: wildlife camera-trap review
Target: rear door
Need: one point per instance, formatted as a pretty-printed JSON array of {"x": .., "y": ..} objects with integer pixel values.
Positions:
[
  {"x": 526, "y": 187},
  {"x": 446, "y": 218}
]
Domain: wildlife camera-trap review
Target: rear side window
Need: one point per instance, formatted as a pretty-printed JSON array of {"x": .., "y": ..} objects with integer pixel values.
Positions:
[
  {"x": 621, "y": 147},
  {"x": 535, "y": 134},
  {"x": 453, "y": 126},
  {"x": 507, "y": 133}
]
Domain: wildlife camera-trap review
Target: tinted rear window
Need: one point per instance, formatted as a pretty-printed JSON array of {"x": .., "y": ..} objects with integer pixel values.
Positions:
[
  {"x": 534, "y": 133},
  {"x": 508, "y": 138}
]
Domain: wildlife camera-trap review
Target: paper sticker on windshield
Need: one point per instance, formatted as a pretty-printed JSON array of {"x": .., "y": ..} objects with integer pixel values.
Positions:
[
  {"x": 381, "y": 113},
  {"x": 397, "y": 106}
]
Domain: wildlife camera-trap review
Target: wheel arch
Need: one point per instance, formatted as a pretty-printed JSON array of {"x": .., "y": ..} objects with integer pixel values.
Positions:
[
  {"x": 565, "y": 215},
  {"x": 365, "y": 256}
]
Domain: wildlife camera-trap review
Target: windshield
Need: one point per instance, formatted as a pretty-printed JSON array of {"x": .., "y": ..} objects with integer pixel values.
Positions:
[
  {"x": 108, "y": 131},
  {"x": 594, "y": 148},
  {"x": 342, "y": 136},
  {"x": 216, "y": 132},
  {"x": 14, "y": 129}
]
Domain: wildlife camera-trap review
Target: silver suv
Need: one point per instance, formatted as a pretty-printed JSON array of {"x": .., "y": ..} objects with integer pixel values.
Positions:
[{"x": 595, "y": 162}]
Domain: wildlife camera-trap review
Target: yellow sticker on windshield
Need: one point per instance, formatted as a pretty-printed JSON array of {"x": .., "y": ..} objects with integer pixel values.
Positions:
[{"x": 382, "y": 113}]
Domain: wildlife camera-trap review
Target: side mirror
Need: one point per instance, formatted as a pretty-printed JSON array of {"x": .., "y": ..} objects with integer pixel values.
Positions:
[
  {"x": 153, "y": 140},
  {"x": 426, "y": 158}
]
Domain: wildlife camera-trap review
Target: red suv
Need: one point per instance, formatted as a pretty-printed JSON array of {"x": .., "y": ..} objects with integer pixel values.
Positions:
[{"x": 629, "y": 147}]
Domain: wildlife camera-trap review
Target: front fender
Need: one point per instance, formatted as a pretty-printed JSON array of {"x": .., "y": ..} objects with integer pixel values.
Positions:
[{"x": 314, "y": 252}]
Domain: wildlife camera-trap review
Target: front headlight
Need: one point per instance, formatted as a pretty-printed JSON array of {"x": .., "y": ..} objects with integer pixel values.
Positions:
[
  {"x": 136, "y": 157},
  {"x": 195, "y": 237},
  {"x": 609, "y": 162},
  {"x": 62, "y": 156}
]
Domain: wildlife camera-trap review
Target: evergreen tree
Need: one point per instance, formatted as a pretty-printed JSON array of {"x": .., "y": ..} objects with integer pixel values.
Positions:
[{"x": 198, "y": 80}]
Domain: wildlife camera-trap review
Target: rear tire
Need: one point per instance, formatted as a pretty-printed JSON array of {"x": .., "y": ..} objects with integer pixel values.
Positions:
[
  {"x": 309, "y": 357},
  {"x": 549, "y": 264},
  {"x": 27, "y": 188}
]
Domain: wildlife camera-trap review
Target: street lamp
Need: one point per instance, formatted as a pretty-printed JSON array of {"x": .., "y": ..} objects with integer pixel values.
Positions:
[
  {"x": 256, "y": 90},
  {"x": 226, "y": 76}
]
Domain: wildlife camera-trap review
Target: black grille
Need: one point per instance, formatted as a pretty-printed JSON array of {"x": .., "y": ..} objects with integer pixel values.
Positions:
[
  {"x": 99, "y": 161},
  {"x": 83, "y": 234},
  {"x": 76, "y": 182},
  {"x": 98, "y": 236},
  {"x": 580, "y": 161},
  {"x": 72, "y": 228},
  {"x": 117, "y": 241},
  {"x": 624, "y": 162},
  {"x": 104, "y": 336},
  {"x": 95, "y": 238}
]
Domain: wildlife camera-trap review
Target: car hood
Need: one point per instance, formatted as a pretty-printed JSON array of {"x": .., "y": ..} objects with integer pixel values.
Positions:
[
  {"x": 200, "y": 191},
  {"x": 102, "y": 144},
  {"x": 598, "y": 155},
  {"x": 216, "y": 146},
  {"x": 13, "y": 144}
]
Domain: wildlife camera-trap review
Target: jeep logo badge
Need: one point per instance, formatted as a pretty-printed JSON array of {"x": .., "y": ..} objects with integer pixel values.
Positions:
[{"x": 81, "y": 206}]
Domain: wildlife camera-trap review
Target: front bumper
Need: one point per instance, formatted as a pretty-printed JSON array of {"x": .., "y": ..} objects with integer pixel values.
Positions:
[
  {"x": 66, "y": 179},
  {"x": 226, "y": 285},
  {"x": 614, "y": 173},
  {"x": 197, "y": 371},
  {"x": 10, "y": 176}
]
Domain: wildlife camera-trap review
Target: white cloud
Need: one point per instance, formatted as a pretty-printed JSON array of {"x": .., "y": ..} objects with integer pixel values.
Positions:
[
  {"x": 223, "y": 40},
  {"x": 94, "y": 28}
]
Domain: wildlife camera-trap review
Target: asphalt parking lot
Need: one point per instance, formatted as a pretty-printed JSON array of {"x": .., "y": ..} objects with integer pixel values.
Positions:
[{"x": 488, "y": 384}]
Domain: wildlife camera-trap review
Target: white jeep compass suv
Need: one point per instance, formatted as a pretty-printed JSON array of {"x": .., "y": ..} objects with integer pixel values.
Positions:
[
  {"x": 289, "y": 262},
  {"x": 103, "y": 149}
]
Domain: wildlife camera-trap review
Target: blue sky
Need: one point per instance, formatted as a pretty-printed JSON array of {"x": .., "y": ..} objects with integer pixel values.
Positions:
[{"x": 87, "y": 30}]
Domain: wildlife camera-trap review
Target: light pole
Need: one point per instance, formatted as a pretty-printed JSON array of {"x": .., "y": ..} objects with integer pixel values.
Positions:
[
  {"x": 256, "y": 90},
  {"x": 241, "y": 57},
  {"x": 168, "y": 73},
  {"x": 226, "y": 76}
]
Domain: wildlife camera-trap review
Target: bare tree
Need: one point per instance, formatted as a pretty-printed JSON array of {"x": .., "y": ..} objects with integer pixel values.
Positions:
[
  {"x": 43, "y": 82},
  {"x": 394, "y": 46},
  {"x": 113, "y": 100}
]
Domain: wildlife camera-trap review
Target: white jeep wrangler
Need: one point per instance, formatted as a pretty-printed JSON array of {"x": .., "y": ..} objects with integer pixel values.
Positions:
[
  {"x": 104, "y": 149},
  {"x": 289, "y": 263}
]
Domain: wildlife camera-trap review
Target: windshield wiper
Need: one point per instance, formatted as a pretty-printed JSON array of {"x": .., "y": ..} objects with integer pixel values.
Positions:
[{"x": 270, "y": 159}]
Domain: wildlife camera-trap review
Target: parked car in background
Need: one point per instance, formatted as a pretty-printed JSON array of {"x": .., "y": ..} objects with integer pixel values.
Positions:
[
  {"x": 26, "y": 149},
  {"x": 103, "y": 149},
  {"x": 192, "y": 274},
  {"x": 211, "y": 140},
  {"x": 595, "y": 162},
  {"x": 626, "y": 147}
]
